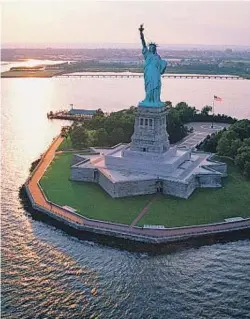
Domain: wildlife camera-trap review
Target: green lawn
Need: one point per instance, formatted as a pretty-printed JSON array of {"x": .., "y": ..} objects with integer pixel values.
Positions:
[
  {"x": 204, "y": 205},
  {"x": 88, "y": 198}
]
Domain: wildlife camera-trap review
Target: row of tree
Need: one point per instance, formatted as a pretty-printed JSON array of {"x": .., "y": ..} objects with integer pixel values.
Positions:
[
  {"x": 191, "y": 114},
  {"x": 118, "y": 127},
  {"x": 234, "y": 143}
]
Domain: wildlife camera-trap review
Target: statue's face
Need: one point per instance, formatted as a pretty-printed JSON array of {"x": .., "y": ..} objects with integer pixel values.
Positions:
[{"x": 152, "y": 48}]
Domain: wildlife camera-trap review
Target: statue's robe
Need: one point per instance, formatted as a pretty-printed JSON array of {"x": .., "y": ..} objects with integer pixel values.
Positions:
[{"x": 154, "y": 66}]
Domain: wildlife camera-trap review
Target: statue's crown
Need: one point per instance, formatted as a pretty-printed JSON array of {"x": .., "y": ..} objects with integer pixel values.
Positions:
[{"x": 153, "y": 43}]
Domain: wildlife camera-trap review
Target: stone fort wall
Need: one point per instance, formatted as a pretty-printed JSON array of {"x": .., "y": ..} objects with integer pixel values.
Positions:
[
  {"x": 127, "y": 188},
  {"x": 180, "y": 188},
  {"x": 172, "y": 187},
  {"x": 83, "y": 174},
  {"x": 167, "y": 186}
]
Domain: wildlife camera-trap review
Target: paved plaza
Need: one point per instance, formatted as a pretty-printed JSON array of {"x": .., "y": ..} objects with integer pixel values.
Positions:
[{"x": 201, "y": 130}]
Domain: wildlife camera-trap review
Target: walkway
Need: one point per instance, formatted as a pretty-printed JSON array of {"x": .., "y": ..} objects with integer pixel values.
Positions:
[
  {"x": 142, "y": 213},
  {"x": 167, "y": 233},
  {"x": 35, "y": 190},
  {"x": 201, "y": 131}
]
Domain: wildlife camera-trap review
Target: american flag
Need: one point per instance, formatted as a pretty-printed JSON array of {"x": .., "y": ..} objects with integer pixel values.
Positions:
[{"x": 217, "y": 98}]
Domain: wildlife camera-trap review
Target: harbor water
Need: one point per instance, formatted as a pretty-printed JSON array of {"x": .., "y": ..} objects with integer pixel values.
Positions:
[{"x": 48, "y": 274}]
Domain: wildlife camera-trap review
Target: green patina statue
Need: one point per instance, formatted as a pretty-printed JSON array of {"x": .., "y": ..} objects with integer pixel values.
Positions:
[{"x": 154, "y": 66}]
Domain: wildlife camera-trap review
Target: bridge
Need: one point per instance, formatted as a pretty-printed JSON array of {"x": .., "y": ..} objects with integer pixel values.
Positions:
[{"x": 139, "y": 75}]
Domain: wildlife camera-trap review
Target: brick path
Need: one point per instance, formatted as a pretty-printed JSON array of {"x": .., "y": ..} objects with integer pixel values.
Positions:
[
  {"x": 142, "y": 212},
  {"x": 37, "y": 175}
]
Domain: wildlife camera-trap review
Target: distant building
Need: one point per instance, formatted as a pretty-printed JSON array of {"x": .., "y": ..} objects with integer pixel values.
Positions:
[
  {"x": 82, "y": 112},
  {"x": 56, "y": 66},
  {"x": 121, "y": 61}
]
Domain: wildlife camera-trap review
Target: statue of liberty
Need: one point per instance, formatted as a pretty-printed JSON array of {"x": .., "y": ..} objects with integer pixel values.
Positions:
[{"x": 154, "y": 66}]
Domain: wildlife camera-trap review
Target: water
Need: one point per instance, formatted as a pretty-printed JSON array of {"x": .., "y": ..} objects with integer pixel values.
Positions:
[
  {"x": 115, "y": 94},
  {"x": 49, "y": 274}
]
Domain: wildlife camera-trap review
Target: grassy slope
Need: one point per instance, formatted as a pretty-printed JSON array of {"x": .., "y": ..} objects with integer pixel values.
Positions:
[
  {"x": 89, "y": 199},
  {"x": 205, "y": 205}
]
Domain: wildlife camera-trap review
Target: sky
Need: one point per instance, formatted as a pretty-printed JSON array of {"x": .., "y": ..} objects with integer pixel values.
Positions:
[{"x": 75, "y": 23}]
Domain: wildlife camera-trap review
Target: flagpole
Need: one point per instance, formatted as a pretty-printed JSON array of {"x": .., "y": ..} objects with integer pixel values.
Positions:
[{"x": 213, "y": 115}]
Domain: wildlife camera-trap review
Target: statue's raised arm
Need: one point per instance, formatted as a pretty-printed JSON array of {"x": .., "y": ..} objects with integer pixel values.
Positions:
[{"x": 141, "y": 29}]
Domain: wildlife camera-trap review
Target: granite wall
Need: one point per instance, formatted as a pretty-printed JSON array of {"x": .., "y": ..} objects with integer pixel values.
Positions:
[
  {"x": 106, "y": 184},
  {"x": 209, "y": 180},
  {"x": 132, "y": 188},
  {"x": 127, "y": 188},
  {"x": 172, "y": 187},
  {"x": 83, "y": 174},
  {"x": 180, "y": 188}
]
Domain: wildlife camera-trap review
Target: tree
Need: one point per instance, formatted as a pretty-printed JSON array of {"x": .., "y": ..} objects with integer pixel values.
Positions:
[
  {"x": 236, "y": 143},
  {"x": 229, "y": 144},
  {"x": 186, "y": 112},
  {"x": 175, "y": 127},
  {"x": 241, "y": 128},
  {"x": 99, "y": 112},
  {"x": 246, "y": 171},
  {"x": 96, "y": 121},
  {"x": 211, "y": 142},
  {"x": 168, "y": 104},
  {"x": 111, "y": 122},
  {"x": 246, "y": 142},
  {"x": 79, "y": 137},
  {"x": 116, "y": 136},
  {"x": 64, "y": 131},
  {"x": 206, "y": 109},
  {"x": 224, "y": 147},
  {"x": 132, "y": 110},
  {"x": 243, "y": 157},
  {"x": 101, "y": 137}
]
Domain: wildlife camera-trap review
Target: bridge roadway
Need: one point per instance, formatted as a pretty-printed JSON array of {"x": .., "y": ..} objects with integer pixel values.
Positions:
[
  {"x": 39, "y": 200},
  {"x": 139, "y": 75}
]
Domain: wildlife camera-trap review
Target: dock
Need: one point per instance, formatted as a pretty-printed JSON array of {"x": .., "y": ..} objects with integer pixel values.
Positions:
[{"x": 71, "y": 115}]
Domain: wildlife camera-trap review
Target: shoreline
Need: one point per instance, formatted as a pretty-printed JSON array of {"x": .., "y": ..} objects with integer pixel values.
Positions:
[
  {"x": 130, "y": 244},
  {"x": 133, "y": 235}
]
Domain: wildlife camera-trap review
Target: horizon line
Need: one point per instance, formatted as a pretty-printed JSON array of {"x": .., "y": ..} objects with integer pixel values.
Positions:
[{"x": 106, "y": 44}]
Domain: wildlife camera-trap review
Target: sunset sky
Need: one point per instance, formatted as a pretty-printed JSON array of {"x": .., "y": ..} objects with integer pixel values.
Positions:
[{"x": 53, "y": 23}]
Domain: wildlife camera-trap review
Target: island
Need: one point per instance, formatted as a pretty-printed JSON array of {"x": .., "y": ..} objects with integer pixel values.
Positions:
[{"x": 152, "y": 189}]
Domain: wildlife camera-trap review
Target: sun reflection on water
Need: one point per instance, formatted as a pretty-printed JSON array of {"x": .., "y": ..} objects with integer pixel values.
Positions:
[{"x": 27, "y": 111}]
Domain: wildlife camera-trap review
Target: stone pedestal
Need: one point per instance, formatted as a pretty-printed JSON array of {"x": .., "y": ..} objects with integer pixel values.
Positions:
[
  {"x": 150, "y": 134},
  {"x": 149, "y": 165}
]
